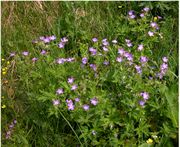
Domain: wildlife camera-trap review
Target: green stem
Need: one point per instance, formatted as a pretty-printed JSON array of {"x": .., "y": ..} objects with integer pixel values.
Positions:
[{"x": 71, "y": 128}]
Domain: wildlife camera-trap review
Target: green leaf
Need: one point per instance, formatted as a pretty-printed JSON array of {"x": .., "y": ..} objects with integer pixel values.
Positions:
[{"x": 146, "y": 145}]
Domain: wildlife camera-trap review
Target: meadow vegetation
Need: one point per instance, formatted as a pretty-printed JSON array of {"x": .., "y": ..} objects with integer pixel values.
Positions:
[{"x": 89, "y": 74}]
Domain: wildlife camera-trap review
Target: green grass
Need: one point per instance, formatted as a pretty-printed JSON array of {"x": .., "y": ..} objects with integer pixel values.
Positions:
[{"x": 23, "y": 22}]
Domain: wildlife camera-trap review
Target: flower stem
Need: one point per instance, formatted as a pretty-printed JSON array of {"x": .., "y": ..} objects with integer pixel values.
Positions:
[{"x": 71, "y": 127}]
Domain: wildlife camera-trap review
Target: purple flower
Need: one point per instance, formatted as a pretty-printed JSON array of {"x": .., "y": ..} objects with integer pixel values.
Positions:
[
  {"x": 119, "y": 59},
  {"x": 61, "y": 45},
  {"x": 145, "y": 95},
  {"x": 93, "y": 51},
  {"x": 64, "y": 40},
  {"x": 12, "y": 54},
  {"x": 77, "y": 99},
  {"x": 129, "y": 44},
  {"x": 164, "y": 66},
  {"x": 70, "y": 80},
  {"x": 132, "y": 16},
  {"x": 70, "y": 107},
  {"x": 93, "y": 66},
  {"x": 150, "y": 78},
  {"x": 140, "y": 47},
  {"x": 46, "y": 40},
  {"x": 59, "y": 91},
  {"x": 114, "y": 41},
  {"x": 157, "y": 28},
  {"x": 129, "y": 56},
  {"x": 15, "y": 121},
  {"x": 105, "y": 42},
  {"x": 131, "y": 12},
  {"x": 165, "y": 59},
  {"x": 105, "y": 49},
  {"x": 142, "y": 103},
  {"x": 11, "y": 126},
  {"x": 138, "y": 69},
  {"x": 8, "y": 134},
  {"x": 52, "y": 37},
  {"x": 153, "y": 24},
  {"x": 94, "y": 101},
  {"x": 25, "y": 53},
  {"x": 159, "y": 17},
  {"x": 143, "y": 59},
  {"x": 94, "y": 39},
  {"x": 60, "y": 60},
  {"x": 142, "y": 15},
  {"x": 86, "y": 107},
  {"x": 34, "y": 59},
  {"x": 106, "y": 62},
  {"x": 42, "y": 38},
  {"x": 74, "y": 87},
  {"x": 121, "y": 51},
  {"x": 70, "y": 59},
  {"x": 43, "y": 52},
  {"x": 84, "y": 60},
  {"x": 146, "y": 9},
  {"x": 128, "y": 41},
  {"x": 56, "y": 102},
  {"x": 70, "y": 104},
  {"x": 150, "y": 33},
  {"x": 160, "y": 75}
]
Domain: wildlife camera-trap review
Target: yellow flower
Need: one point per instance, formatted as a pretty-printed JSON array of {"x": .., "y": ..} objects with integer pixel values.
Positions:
[
  {"x": 3, "y": 106},
  {"x": 3, "y": 72},
  {"x": 155, "y": 18},
  {"x": 2, "y": 59},
  {"x": 2, "y": 97},
  {"x": 8, "y": 62},
  {"x": 149, "y": 141},
  {"x": 3, "y": 69}
]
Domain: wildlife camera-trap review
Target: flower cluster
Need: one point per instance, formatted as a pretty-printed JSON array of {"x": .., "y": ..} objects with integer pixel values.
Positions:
[
  {"x": 62, "y": 43},
  {"x": 11, "y": 126},
  {"x": 128, "y": 42},
  {"x": 145, "y": 97},
  {"x": 47, "y": 39},
  {"x": 63, "y": 60},
  {"x": 124, "y": 54},
  {"x": 70, "y": 104},
  {"x": 131, "y": 14},
  {"x": 105, "y": 42},
  {"x": 163, "y": 68},
  {"x": 93, "y": 51}
]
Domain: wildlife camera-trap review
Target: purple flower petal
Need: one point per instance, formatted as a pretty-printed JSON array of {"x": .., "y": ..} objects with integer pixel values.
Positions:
[
  {"x": 25, "y": 53},
  {"x": 56, "y": 102},
  {"x": 86, "y": 107},
  {"x": 59, "y": 91},
  {"x": 94, "y": 101}
]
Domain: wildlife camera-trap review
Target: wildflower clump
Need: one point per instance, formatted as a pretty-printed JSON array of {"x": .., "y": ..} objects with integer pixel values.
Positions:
[{"x": 108, "y": 91}]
